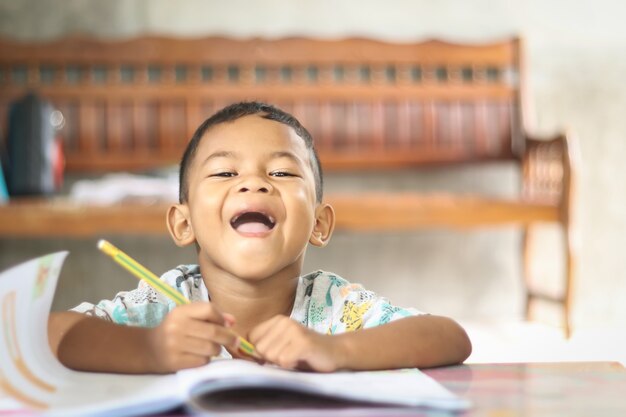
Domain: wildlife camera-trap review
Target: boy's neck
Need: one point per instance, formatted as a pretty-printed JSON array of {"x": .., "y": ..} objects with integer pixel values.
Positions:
[{"x": 252, "y": 301}]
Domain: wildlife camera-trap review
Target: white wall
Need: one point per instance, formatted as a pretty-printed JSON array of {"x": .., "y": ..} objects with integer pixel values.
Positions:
[{"x": 576, "y": 54}]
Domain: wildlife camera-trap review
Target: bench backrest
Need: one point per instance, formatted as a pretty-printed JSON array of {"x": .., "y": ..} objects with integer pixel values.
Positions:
[{"x": 134, "y": 104}]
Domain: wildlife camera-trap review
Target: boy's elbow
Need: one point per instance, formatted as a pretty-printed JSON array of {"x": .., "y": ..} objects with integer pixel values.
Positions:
[
  {"x": 464, "y": 344},
  {"x": 459, "y": 342},
  {"x": 450, "y": 343}
]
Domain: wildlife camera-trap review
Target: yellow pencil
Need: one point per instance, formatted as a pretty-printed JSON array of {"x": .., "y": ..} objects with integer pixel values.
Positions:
[{"x": 141, "y": 272}]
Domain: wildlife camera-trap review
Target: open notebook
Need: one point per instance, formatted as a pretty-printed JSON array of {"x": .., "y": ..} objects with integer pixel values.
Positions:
[{"x": 32, "y": 375}]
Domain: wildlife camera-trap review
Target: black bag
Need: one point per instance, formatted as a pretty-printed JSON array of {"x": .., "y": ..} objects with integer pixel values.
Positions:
[{"x": 32, "y": 150}]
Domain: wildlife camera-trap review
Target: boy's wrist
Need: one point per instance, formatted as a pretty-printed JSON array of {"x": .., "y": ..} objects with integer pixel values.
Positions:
[
  {"x": 345, "y": 350},
  {"x": 153, "y": 362},
  {"x": 138, "y": 346}
]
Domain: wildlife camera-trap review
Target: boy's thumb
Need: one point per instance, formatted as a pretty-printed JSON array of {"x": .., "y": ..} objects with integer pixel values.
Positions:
[{"x": 229, "y": 319}]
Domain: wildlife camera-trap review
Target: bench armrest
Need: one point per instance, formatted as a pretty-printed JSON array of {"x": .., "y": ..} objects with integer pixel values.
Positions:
[{"x": 549, "y": 170}]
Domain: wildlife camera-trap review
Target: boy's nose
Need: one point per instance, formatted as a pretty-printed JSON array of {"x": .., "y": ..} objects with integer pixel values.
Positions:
[{"x": 255, "y": 185}]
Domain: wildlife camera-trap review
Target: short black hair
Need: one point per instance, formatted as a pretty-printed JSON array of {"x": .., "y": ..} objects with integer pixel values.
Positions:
[{"x": 236, "y": 111}]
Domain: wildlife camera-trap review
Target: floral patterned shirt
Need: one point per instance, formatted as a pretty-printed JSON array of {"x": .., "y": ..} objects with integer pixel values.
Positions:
[{"x": 324, "y": 302}]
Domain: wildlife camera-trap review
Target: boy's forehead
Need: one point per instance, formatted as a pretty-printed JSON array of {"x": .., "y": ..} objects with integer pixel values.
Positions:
[{"x": 255, "y": 133}]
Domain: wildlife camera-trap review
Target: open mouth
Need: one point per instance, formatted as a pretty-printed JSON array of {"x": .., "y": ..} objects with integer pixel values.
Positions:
[{"x": 252, "y": 222}]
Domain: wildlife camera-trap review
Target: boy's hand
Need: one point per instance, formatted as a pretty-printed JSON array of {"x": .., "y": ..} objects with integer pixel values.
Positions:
[
  {"x": 189, "y": 336},
  {"x": 289, "y": 344}
]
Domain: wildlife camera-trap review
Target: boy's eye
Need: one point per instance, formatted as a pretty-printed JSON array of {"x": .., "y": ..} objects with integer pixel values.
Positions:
[
  {"x": 282, "y": 174},
  {"x": 225, "y": 174}
]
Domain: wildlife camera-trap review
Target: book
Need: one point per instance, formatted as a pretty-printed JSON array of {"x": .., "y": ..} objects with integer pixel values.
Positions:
[{"x": 31, "y": 375}]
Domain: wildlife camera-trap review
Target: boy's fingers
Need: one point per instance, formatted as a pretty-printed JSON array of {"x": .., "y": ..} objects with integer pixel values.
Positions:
[
  {"x": 210, "y": 332},
  {"x": 261, "y": 330},
  {"x": 273, "y": 347},
  {"x": 229, "y": 319},
  {"x": 201, "y": 347},
  {"x": 272, "y": 336},
  {"x": 189, "y": 360},
  {"x": 204, "y": 311}
]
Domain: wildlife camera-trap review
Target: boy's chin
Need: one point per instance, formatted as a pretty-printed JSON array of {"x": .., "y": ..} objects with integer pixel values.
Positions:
[{"x": 252, "y": 270}]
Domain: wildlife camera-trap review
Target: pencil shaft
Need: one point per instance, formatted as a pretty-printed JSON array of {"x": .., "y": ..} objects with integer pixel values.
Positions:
[
  {"x": 139, "y": 271},
  {"x": 246, "y": 347},
  {"x": 142, "y": 273}
]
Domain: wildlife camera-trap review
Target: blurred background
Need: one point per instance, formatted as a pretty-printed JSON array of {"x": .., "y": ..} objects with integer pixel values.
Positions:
[{"x": 576, "y": 66}]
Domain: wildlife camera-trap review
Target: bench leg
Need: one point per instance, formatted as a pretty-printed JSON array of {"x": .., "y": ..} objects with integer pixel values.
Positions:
[
  {"x": 531, "y": 294},
  {"x": 527, "y": 238},
  {"x": 569, "y": 241}
]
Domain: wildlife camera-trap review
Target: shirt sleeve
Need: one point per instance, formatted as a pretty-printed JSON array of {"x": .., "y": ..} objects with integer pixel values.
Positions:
[
  {"x": 143, "y": 307},
  {"x": 354, "y": 307}
]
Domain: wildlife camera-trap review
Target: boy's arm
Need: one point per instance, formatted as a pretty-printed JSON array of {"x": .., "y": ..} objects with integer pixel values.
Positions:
[
  {"x": 418, "y": 341},
  {"x": 188, "y": 336},
  {"x": 88, "y": 343}
]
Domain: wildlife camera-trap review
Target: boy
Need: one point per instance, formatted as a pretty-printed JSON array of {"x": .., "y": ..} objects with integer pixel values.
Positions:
[{"x": 251, "y": 201}]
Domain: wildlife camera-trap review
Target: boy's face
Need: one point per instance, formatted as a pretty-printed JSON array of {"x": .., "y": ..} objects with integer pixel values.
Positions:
[{"x": 252, "y": 206}]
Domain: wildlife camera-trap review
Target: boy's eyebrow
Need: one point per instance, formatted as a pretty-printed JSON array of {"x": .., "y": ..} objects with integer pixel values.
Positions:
[
  {"x": 285, "y": 154},
  {"x": 218, "y": 154},
  {"x": 273, "y": 155}
]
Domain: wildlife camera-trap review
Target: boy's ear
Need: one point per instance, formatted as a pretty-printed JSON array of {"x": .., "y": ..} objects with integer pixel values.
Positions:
[
  {"x": 324, "y": 225},
  {"x": 179, "y": 225}
]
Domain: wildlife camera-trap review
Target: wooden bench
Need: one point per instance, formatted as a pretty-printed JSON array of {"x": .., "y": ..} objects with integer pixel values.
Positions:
[{"x": 370, "y": 105}]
